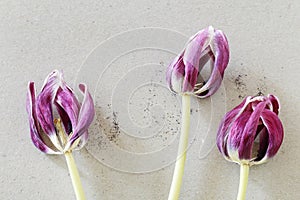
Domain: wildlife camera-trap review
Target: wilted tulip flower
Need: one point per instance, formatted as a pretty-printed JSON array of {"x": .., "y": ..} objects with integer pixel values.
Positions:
[
  {"x": 183, "y": 73},
  {"x": 184, "y": 78},
  {"x": 58, "y": 122},
  {"x": 250, "y": 134}
]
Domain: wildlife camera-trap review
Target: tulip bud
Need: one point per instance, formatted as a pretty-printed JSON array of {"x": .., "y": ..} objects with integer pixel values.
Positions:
[
  {"x": 183, "y": 72},
  {"x": 252, "y": 132},
  {"x": 58, "y": 122}
]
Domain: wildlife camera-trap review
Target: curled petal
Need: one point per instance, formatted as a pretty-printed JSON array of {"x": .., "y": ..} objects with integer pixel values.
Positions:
[
  {"x": 220, "y": 50},
  {"x": 275, "y": 131},
  {"x": 33, "y": 123},
  {"x": 85, "y": 118},
  {"x": 196, "y": 48},
  {"x": 275, "y": 103}
]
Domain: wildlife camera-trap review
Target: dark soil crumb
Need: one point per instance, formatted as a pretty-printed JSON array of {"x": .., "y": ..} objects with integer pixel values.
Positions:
[
  {"x": 240, "y": 85},
  {"x": 239, "y": 82},
  {"x": 260, "y": 92}
]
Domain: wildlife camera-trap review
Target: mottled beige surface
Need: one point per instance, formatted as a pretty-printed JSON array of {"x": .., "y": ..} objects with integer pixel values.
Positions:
[{"x": 38, "y": 36}]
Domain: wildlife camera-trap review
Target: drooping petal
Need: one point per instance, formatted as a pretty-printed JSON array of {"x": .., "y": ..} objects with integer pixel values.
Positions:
[
  {"x": 85, "y": 118},
  {"x": 33, "y": 123},
  {"x": 44, "y": 106},
  {"x": 67, "y": 106},
  {"x": 220, "y": 50}
]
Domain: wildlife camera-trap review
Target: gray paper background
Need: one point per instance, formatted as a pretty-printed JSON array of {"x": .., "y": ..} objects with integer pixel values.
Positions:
[{"x": 39, "y": 36}]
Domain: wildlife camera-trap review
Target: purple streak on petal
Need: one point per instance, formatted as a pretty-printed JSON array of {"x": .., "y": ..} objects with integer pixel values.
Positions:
[
  {"x": 275, "y": 131},
  {"x": 190, "y": 78},
  {"x": 226, "y": 125},
  {"x": 235, "y": 137},
  {"x": 45, "y": 101},
  {"x": 249, "y": 133},
  {"x": 86, "y": 115},
  {"x": 67, "y": 106},
  {"x": 33, "y": 123}
]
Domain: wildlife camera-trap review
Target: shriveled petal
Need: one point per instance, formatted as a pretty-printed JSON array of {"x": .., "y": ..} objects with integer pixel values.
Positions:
[
  {"x": 249, "y": 133},
  {"x": 197, "y": 47},
  {"x": 85, "y": 118},
  {"x": 67, "y": 106},
  {"x": 44, "y": 104},
  {"x": 275, "y": 131},
  {"x": 220, "y": 50},
  {"x": 33, "y": 123}
]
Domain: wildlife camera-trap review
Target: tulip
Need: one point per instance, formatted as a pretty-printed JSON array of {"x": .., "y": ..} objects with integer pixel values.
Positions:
[
  {"x": 183, "y": 73},
  {"x": 183, "y": 76},
  {"x": 58, "y": 122},
  {"x": 251, "y": 134}
]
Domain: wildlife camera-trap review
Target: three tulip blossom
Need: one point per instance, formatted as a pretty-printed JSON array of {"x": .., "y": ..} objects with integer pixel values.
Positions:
[
  {"x": 58, "y": 122},
  {"x": 182, "y": 78},
  {"x": 250, "y": 134}
]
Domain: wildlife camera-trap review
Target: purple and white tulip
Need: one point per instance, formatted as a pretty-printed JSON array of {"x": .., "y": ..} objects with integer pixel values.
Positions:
[
  {"x": 183, "y": 73},
  {"x": 252, "y": 132},
  {"x": 58, "y": 122}
]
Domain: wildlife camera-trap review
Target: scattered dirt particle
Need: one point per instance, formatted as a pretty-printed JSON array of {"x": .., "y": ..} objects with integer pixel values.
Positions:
[
  {"x": 114, "y": 130},
  {"x": 240, "y": 85}
]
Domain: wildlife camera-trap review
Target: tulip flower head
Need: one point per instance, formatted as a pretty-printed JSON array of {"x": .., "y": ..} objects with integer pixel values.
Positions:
[
  {"x": 58, "y": 122},
  {"x": 183, "y": 73},
  {"x": 252, "y": 125}
]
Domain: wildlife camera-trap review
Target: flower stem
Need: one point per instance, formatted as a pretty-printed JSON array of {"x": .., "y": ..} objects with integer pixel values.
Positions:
[
  {"x": 74, "y": 176},
  {"x": 183, "y": 144},
  {"x": 244, "y": 173}
]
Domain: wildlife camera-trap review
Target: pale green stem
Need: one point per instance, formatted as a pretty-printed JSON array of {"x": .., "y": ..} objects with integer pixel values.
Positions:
[
  {"x": 244, "y": 173},
  {"x": 74, "y": 176},
  {"x": 183, "y": 144}
]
